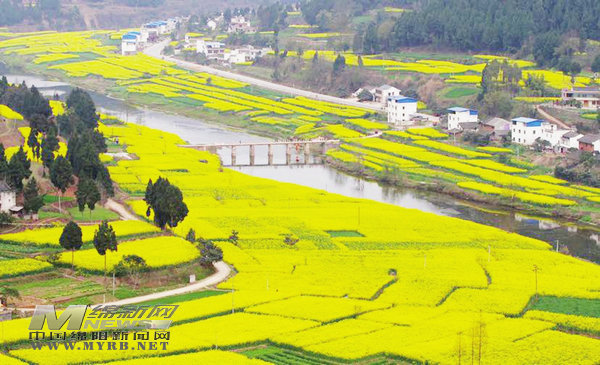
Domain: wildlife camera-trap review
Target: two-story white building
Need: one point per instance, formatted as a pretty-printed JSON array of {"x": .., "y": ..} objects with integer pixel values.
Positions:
[
  {"x": 401, "y": 109},
  {"x": 382, "y": 93},
  {"x": 458, "y": 115},
  {"x": 212, "y": 50},
  {"x": 129, "y": 43},
  {"x": 588, "y": 96},
  {"x": 526, "y": 130}
]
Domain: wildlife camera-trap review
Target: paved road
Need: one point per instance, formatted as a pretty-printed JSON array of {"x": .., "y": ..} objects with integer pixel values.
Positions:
[
  {"x": 221, "y": 274},
  {"x": 155, "y": 50}
]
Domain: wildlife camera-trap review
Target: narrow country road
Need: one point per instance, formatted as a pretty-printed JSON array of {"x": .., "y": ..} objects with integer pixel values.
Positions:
[
  {"x": 155, "y": 51},
  {"x": 551, "y": 118},
  {"x": 118, "y": 208},
  {"x": 222, "y": 272}
]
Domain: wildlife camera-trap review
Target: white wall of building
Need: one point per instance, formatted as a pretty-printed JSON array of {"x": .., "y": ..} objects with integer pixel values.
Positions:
[
  {"x": 8, "y": 199},
  {"x": 128, "y": 47},
  {"x": 400, "y": 110},
  {"x": 526, "y": 130},
  {"x": 460, "y": 115}
]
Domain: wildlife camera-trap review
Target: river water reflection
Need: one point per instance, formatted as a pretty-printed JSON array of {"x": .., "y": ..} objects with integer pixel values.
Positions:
[{"x": 581, "y": 241}]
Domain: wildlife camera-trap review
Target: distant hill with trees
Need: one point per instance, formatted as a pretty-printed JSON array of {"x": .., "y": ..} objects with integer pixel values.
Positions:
[{"x": 488, "y": 25}]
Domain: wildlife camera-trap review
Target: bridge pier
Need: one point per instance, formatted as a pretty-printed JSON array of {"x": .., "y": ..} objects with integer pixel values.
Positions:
[
  {"x": 288, "y": 154},
  {"x": 306, "y": 153},
  {"x": 270, "y": 154},
  {"x": 232, "y": 155},
  {"x": 252, "y": 154}
]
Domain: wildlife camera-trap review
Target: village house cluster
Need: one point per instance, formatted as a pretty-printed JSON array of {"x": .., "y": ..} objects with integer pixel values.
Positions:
[
  {"x": 523, "y": 131},
  {"x": 133, "y": 41}
]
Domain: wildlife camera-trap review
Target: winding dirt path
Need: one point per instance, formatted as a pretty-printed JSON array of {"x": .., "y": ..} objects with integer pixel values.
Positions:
[
  {"x": 222, "y": 272},
  {"x": 121, "y": 210},
  {"x": 551, "y": 118}
]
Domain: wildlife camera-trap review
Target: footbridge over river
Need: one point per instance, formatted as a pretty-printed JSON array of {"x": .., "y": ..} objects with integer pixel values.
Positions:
[{"x": 293, "y": 148}]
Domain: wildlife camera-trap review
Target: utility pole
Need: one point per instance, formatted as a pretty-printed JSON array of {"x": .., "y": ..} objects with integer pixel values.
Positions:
[
  {"x": 232, "y": 291},
  {"x": 535, "y": 270}
]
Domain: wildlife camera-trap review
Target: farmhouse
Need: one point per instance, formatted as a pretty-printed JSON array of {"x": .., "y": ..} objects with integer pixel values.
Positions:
[
  {"x": 496, "y": 125},
  {"x": 384, "y": 92},
  {"x": 401, "y": 109},
  {"x": 239, "y": 24},
  {"x": 527, "y": 130},
  {"x": 590, "y": 143},
  {"x": 211, "y": 24},
  {"x": 458, "y": 115},
  {"x": 570, "y": 140},
  {"x": 245, "y": 54},
  {"x": 130, "y": 42},
  {"x": 212, "y": 50},
  {"x": 588, "y": 96},
  {"x": 8, "y": 197}
]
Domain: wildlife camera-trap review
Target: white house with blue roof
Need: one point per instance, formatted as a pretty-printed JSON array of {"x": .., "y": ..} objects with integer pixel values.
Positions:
[
  {"x": 130, "y": 42},
  {"x": 527, "y": 130},
  {"x": 458, "y": 115},
  {"x": 401, "y": 109}
]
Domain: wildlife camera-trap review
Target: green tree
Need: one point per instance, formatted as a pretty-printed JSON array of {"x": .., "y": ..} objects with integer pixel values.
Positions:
[
  {"x": 339, "y": 64},
  {"x": 83, "y": 106},
  {"x": 34, "y": 143},
  {"x": 18, "y": 169},
  {"x": 360, "y": 61},
  {"x": 87, "y": 194},
  {"x": 191, "y": 235},
  {"x": 71, "y": 239},
  {"x": 131, "y": 265},
  {"x": 105, "y": 240},
  {"x": 234, "y": 237},
  {"x": 596, "y": 63},
  {"x": 3, "y": 163},
  {"x": 33, "y": 201},
  {"x": 49, "y": 146},
  {"x": 497, "y": 103},
  {"x": 166, "y": 201},
  {"x": 8, "y": 292},
  {"x": 210, "y": 253},
  {"x": 61, "y": 176}
]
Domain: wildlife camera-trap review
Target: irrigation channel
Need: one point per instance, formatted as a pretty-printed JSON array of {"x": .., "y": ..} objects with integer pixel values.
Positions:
[{"x": 582, "y": 241}]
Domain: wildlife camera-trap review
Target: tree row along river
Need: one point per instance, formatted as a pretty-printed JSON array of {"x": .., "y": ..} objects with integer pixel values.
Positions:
[{"x": 581, "y": 241}]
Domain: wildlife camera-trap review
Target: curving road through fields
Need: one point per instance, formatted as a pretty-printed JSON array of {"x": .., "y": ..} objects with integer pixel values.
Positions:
[{"x": 156, "y": 49}]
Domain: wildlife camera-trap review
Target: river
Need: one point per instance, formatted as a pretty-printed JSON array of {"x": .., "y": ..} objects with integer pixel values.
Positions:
[{"x": 582, "y": 241}]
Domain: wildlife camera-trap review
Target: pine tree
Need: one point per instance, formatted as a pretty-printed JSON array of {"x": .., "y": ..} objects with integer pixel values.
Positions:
[
  {"x": 105, "y": 240},
  {"x": 18, "y": 169},
  {"x": 61, "y": 175},
  {"x": 49, "y": 146},
  {"x": 87, "y": 194},
  {"x": 33, "y": 201},
  {"x": 71, "y": 239}
]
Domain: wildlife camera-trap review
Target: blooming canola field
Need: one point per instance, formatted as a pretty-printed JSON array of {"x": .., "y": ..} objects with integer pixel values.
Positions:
[
  {"x": 392, "y": 287},
  {"x": 364, "y": 279}
]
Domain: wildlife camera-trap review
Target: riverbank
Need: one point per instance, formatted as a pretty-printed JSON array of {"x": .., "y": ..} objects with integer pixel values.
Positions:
[
  {"x": 587, "y": 249},
  {"x": 238, "y": 123}
]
